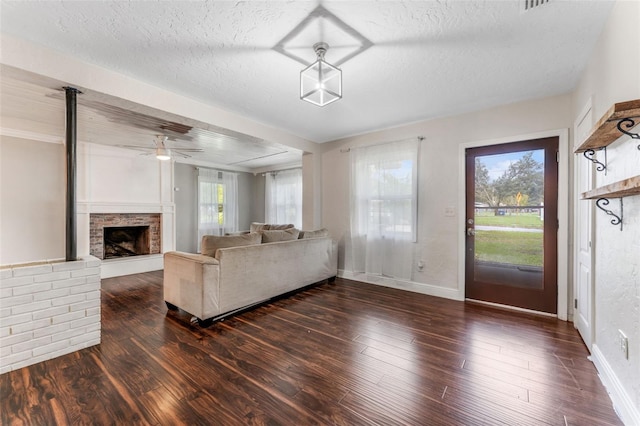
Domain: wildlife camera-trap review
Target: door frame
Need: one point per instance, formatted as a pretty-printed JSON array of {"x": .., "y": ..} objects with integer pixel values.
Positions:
[
  {"x": 563, "y": 210},
  {"x": 574, "y": 313}
]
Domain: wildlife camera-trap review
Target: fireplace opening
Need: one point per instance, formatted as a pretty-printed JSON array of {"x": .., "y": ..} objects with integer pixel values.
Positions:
[{"x": 125, "y": 241}]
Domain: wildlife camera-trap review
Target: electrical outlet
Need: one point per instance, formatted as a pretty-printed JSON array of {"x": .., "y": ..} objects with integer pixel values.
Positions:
[
  {"x": 421, "y": 265},
  {"x": 624, "y": 344}
]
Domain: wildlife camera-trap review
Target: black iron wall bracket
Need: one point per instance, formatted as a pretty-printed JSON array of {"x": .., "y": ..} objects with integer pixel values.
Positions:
[
  {"x": 624, "y": 126},
  {"x": 616, "y": 220},
  {"x": 628, "y": 123},
  {"x": 589, "y": 154}
]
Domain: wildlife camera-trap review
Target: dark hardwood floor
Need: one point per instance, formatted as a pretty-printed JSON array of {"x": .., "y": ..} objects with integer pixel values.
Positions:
[{"x": 343, "y": 353}]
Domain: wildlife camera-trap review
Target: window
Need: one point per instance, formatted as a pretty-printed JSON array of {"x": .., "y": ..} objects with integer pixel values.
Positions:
[
  {"x": 389, "y": 204},
  {"x": 283, "y": 197},
  {"x": 211, "y": 204},
  {"x": 217, "y": 203},
  {"x": 384, "y": 207}
]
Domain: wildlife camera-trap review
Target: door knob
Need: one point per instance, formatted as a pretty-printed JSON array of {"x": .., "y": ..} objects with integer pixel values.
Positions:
[{"x": 471, "y": 232}]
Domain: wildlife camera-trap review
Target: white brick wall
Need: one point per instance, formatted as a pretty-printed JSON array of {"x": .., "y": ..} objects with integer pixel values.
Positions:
[{"x": 47, "y": 310}]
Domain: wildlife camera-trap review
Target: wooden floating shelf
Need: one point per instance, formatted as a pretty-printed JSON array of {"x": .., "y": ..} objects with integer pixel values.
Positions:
[
  {"x": 623, "y": 188},
  {"x": 605, "y": 132}
]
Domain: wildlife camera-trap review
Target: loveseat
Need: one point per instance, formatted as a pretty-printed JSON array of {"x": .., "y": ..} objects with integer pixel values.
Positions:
[{"x": 235, "y": 272}]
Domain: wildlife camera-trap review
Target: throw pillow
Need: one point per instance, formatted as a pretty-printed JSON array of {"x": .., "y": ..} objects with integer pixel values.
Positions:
[
  {"x": 279, "y": 227},
  {"x": 318, "y": 233},
  {"x": 258, "y": 226},
  {"x": 272, "y": 236},
  {"x": 211, "y": 243}
]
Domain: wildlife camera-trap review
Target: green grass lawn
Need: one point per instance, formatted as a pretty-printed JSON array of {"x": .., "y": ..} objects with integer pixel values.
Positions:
[
  {"x": 517, "y": 248},
  {"x": 521, "y": 220}
]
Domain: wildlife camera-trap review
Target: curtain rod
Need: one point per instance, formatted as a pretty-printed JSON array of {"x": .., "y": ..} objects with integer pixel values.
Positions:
[
  {"x": 280, "y": 170},
  {"x": 344, "y": 150},
  {"x": 215, "y": 170}
]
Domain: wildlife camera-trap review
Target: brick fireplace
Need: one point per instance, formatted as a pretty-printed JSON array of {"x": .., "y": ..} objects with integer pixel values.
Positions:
[{"x": 147, "y": 239}]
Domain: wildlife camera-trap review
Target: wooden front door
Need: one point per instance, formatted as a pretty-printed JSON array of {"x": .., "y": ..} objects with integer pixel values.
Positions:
[{"x": 512, "y": 224}]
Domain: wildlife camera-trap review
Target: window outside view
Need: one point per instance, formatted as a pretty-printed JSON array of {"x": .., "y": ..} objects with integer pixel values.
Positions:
[
  {"x": 392, "y": 211},
  {"x": 211, "y": 203},
  {"x": 509, "y": 208}
]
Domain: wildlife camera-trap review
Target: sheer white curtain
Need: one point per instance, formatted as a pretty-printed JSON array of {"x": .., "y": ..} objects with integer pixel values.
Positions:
[
  {"x": 283, "y": 197},
  {"x": 217, "y": 203},
  {"x": 384, "y": 188}
]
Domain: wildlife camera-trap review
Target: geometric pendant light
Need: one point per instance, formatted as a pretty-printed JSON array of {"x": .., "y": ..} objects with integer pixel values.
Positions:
[{"x": 321, "y": 82}]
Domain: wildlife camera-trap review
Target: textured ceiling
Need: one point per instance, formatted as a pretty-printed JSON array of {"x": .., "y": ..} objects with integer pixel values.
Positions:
[{"x": 427, "y": 59}]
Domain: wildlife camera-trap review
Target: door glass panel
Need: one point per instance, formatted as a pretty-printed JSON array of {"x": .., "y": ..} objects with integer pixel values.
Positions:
[{"x": 509, "y": 219}]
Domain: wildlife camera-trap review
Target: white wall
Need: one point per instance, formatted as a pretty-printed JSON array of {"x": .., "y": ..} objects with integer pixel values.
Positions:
[
  {"x": 116, "y": 175},
  {"x": 32, "y": 201},
  {"x": 438, "y": 184},
  {"x": 613, "y": 75}
]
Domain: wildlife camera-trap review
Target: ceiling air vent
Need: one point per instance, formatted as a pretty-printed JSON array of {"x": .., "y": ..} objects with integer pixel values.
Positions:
[{"x": 531, "y": 4}]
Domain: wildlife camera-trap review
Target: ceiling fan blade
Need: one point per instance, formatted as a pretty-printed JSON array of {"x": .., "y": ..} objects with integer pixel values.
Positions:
[
  {"x": 180, "y": 153},
  {"x": 187, "y": 149},
  {"x": 135, "y": 147}
]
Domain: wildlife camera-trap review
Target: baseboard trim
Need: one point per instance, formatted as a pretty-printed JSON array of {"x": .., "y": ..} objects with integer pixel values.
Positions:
[
  {"x": 428, "y": 289},
  {"x": 622, "y": 402},
  {"x": 131, "y": 265}
]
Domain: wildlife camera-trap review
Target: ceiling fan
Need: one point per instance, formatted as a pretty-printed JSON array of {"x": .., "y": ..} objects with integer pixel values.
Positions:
[{"x": 162, "y": 150}]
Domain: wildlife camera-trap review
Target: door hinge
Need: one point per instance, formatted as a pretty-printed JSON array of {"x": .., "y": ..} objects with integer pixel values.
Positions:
[
  {"x": 557, "y": 156},
  {"x": 575, "y": 303}
]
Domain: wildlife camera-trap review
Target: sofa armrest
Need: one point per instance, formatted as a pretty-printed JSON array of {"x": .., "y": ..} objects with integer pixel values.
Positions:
[
  {"x": 200, "y": 258},
  {"x": 191, "y": 282}
]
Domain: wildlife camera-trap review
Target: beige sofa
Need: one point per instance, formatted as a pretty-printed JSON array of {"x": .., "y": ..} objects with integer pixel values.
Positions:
[{"x": 228, "y": 279}]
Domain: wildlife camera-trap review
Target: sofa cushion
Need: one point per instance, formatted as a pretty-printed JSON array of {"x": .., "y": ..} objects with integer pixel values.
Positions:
[
  {"x": 318, "y": 233},
  {"x": 275, "y": 235},
  {"x": 211, "y": 243},
  {"x": 257, "y": 226},
  {"x": 237, "y": 233}
]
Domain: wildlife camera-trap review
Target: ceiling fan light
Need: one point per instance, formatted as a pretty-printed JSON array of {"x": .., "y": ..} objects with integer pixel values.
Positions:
[
  {"x": 321, "y": 82},
  {"x": 163, "y": 154}
]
